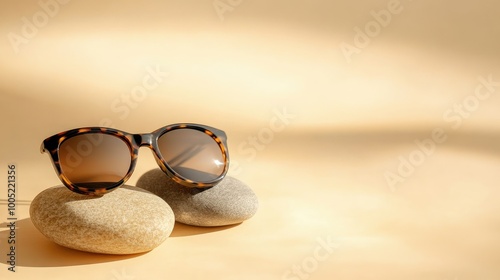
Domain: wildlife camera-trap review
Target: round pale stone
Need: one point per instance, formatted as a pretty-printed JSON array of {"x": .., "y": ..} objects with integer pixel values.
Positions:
[
  {"x": 229, "y": 202},
  {"x": 127, "y": 220}
]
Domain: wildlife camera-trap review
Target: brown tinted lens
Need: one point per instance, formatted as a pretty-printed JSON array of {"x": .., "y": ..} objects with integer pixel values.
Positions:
[
  {"x": 193, "y": 154},
  {"x": 94, "y": 160}
]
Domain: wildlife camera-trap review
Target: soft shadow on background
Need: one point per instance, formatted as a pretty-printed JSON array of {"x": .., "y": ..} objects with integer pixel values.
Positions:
[{"x": 181, "y": 230}]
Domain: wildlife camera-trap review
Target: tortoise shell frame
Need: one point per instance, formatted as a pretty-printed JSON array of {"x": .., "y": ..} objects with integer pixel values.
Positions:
[{"x": 134, "y": 142}]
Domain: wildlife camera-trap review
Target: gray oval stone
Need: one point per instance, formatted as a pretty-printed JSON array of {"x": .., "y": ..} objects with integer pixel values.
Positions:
[
  {"x": 229, "y": 202},
  {"x": 127, "y": 220}
]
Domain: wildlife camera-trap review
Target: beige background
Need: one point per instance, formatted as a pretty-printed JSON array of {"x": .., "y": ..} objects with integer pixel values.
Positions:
[{"x": 322, "y": 176}]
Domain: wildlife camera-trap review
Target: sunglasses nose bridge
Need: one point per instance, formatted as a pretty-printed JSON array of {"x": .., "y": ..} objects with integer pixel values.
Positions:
[{"x": 144, "y": 139}]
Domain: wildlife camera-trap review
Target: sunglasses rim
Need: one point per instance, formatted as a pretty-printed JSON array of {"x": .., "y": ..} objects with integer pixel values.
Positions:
[{"x": 52, "y": 144}]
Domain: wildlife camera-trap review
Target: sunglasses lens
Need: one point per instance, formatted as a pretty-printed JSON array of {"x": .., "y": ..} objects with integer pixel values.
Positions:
[
  {"x": 192, "y": 154},
  {"x": 94, "y": 160}
]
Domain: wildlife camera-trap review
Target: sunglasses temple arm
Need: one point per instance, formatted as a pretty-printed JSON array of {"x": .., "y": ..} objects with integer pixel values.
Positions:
[
  {"x": 221, "y": 134},
  {"x": 42, "y": 148}
]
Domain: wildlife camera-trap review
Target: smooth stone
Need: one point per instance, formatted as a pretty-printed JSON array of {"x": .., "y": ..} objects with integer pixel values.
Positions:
[
  {"x": 128, "y": 220},
  {"x": 229, "y": 202}
]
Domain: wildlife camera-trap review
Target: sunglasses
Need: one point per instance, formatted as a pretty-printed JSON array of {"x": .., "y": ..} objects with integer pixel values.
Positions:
[{"x": 96, "y": 160}]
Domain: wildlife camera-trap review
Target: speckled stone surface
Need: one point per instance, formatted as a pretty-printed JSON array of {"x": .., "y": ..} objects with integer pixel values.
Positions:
[
  {"x": 229, "y": 202},
  {"x": 127, "y": 220}
]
